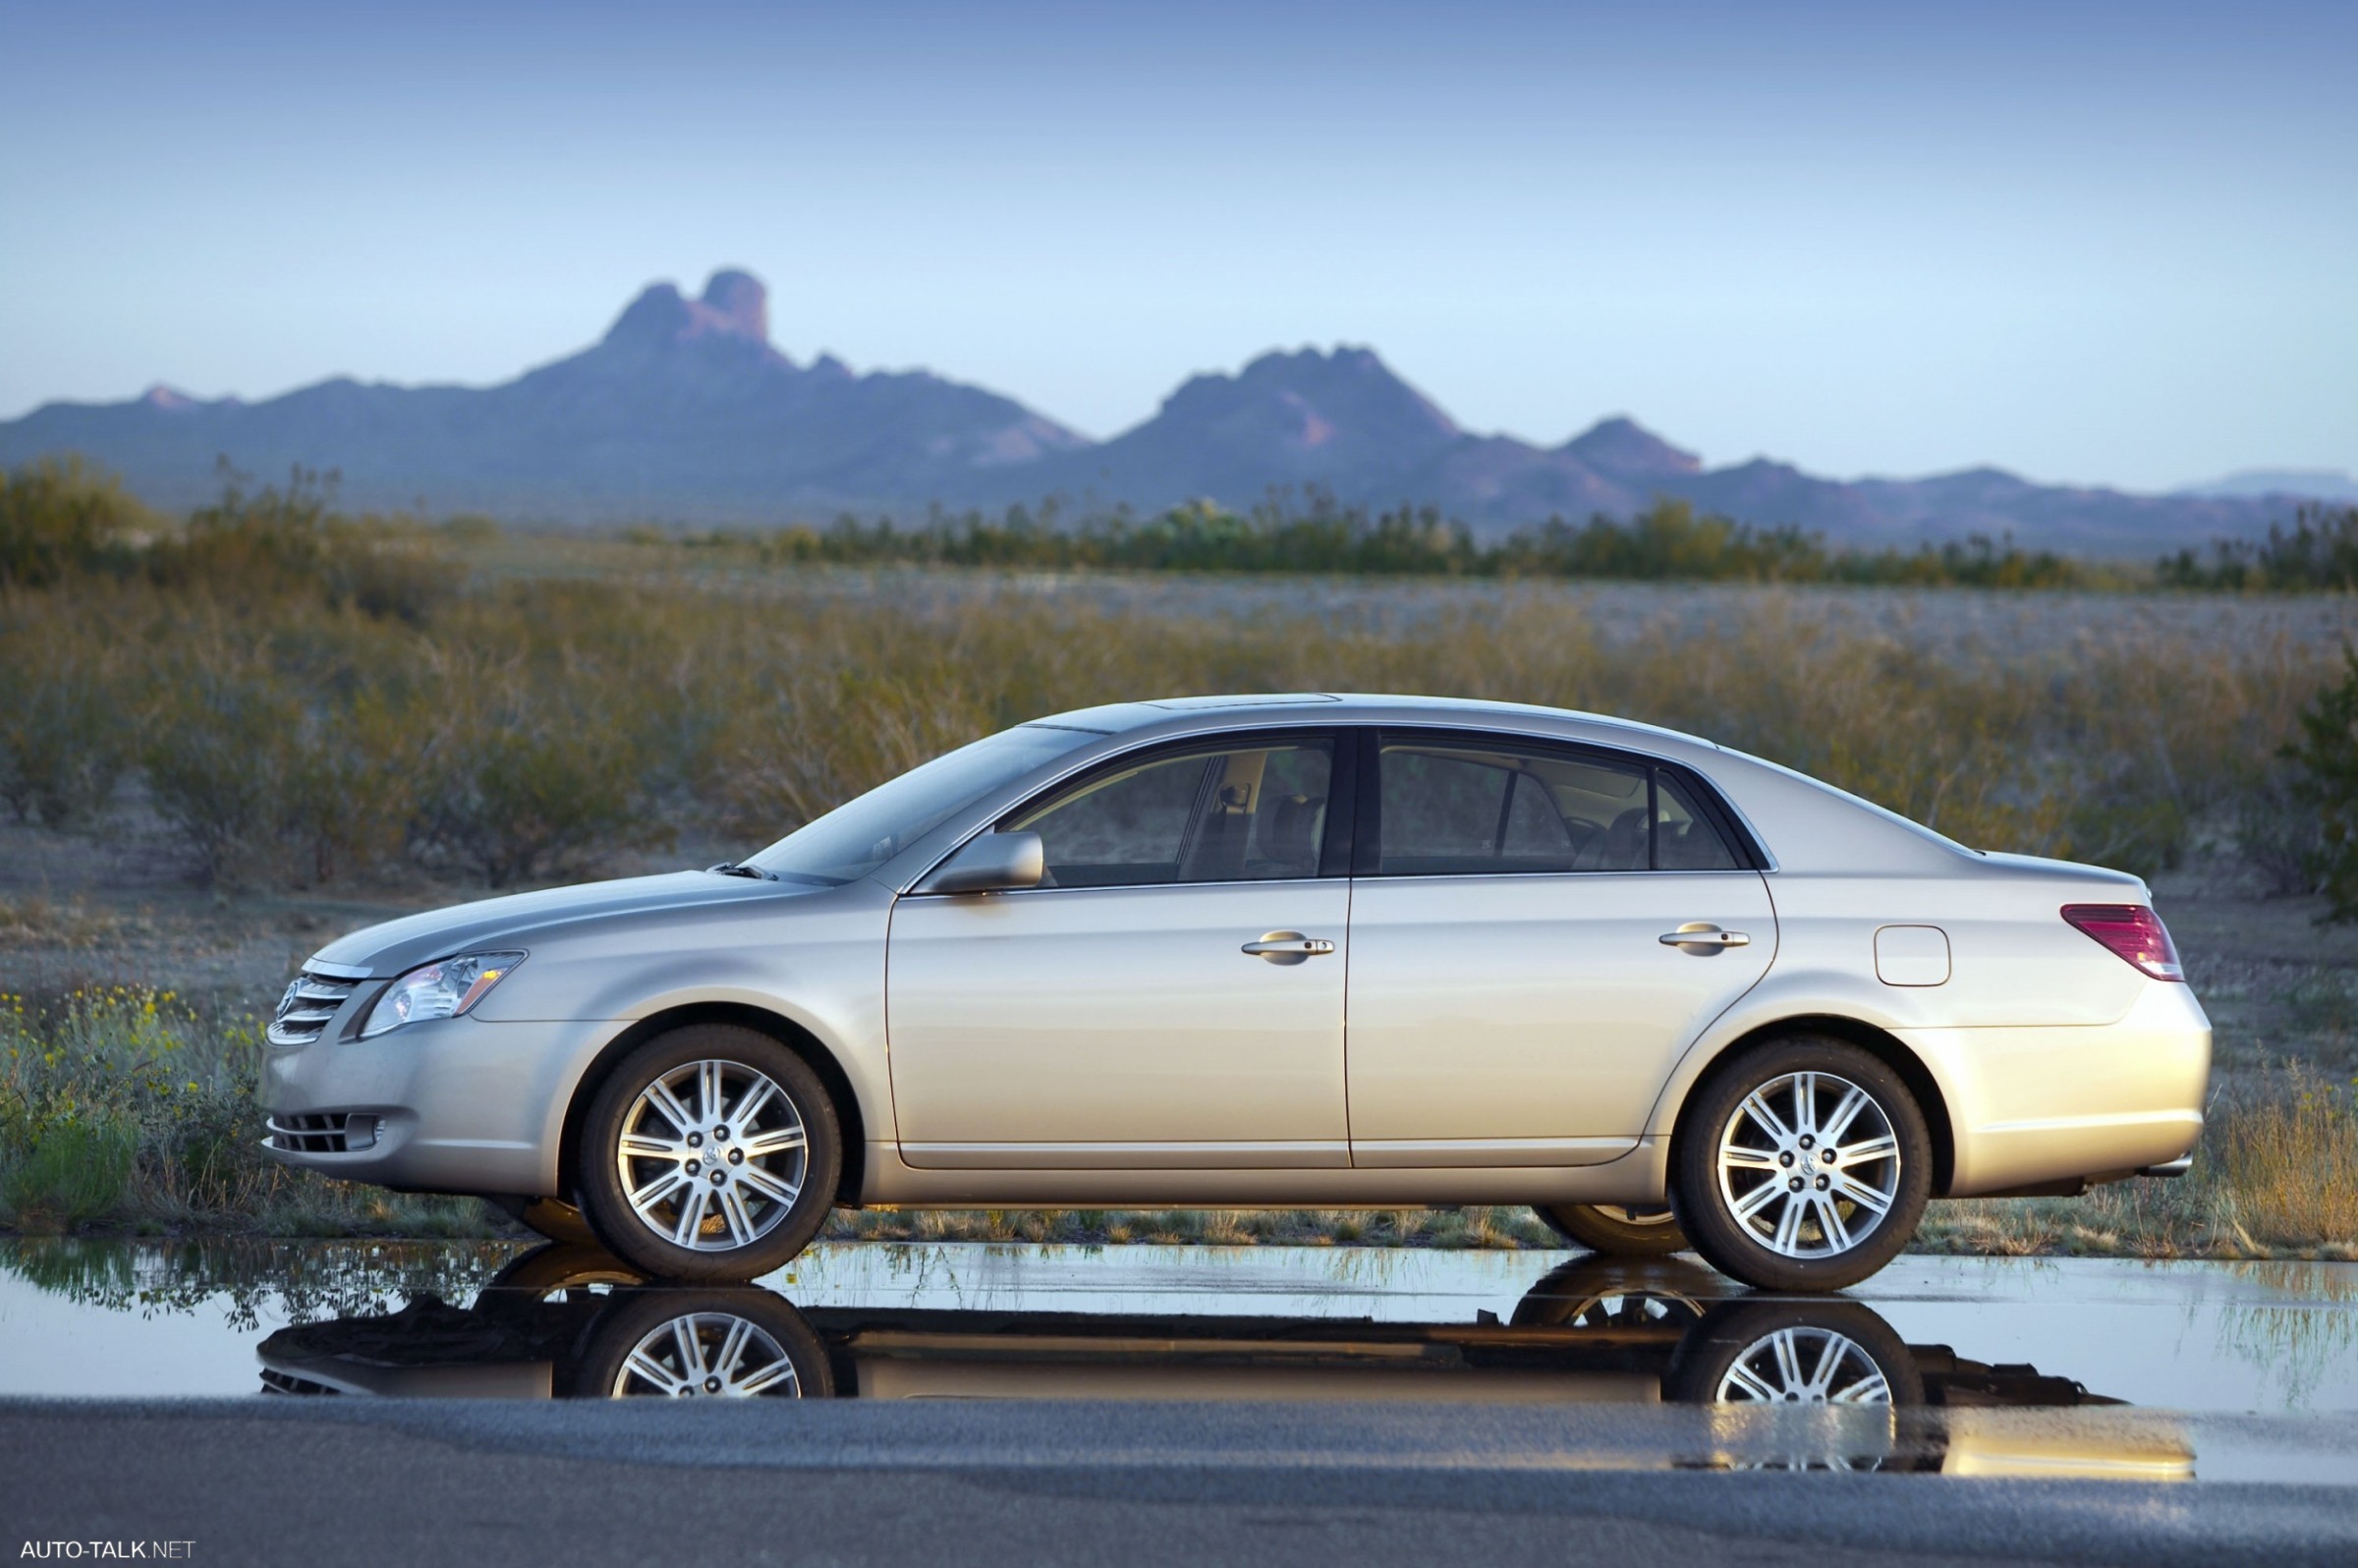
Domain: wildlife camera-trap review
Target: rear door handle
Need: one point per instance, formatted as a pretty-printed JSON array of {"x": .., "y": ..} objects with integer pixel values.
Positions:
[
  {"x": 1288, "y": 947},
  {"x": 1702, "y": 936}
]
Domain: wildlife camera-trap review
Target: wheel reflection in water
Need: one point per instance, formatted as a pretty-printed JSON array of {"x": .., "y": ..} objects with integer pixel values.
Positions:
[
  {"x": 1807, "y": 1366},
  {"x": 707, "y": 1355}
]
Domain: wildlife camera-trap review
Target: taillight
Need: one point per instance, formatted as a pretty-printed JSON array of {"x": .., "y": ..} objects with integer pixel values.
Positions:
[{"x": 2133, "y": 931}]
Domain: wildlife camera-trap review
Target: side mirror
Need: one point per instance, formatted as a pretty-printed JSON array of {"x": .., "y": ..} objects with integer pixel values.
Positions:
[{"x": 995, "y": 863}]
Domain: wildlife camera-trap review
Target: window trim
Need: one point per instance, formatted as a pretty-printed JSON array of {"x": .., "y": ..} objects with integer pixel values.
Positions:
[
  {"x": 1710, "y": 804},
  {"x": 1334, "y": 844}
]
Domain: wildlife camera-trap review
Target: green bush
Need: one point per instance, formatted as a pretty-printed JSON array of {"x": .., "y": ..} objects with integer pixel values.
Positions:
[
  {"x": 59, "y": 518},
  {"x": 66, "y": 1172}
]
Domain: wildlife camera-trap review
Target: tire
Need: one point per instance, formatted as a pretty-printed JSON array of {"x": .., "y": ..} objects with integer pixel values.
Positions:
[
  {"x": 558, "y": 1267},
  {"x": 551, "y": 1217},
  {"x": 1595, "y": 1293},
  {"x": 681, "y": 1344},
  {"x": 717, "y": 1204},
  {"x": 1819, "y": 1228},
  {"x": 1614, "y": 1229}
]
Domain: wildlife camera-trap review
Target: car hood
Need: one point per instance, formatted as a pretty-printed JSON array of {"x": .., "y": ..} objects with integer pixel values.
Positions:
[{"x": 403, "y": 944}]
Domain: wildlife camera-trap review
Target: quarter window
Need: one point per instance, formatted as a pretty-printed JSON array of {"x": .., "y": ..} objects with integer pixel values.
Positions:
[
  {"x": 1684, "y": 839},
  {"x": 1449, "y": 808},
  {"x": 1247, "y": 814}
]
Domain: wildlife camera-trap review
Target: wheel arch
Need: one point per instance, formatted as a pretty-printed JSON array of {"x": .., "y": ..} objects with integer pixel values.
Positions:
[
  {"x": 1878, "y": 1042},
  {"x": 785, "y": 1031}
]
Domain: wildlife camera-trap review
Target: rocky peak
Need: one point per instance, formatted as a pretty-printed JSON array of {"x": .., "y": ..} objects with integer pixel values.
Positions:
[
  {"x": 734, "y": 304},
  {"x": 1622, "y": 447}
]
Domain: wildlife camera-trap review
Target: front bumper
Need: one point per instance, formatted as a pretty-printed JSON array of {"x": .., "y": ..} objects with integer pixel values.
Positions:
[{"x": 456, "y": 1105}]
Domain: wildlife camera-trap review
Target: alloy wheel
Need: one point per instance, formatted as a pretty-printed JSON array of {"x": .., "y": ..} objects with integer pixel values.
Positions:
[
  {"x": 713, "y": 1155},
  {"x": 1809, "y": 1164}
]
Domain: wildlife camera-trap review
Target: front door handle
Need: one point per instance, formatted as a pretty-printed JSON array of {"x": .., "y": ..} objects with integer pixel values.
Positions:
[
  {"x": 1702, "y": 936},
  {"x": 1288, "y": 947}
]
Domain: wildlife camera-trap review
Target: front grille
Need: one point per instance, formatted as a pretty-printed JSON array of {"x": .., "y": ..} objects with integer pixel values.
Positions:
[
  {"x": 322, "y": 1132},
  {"x": 309, "y": 1006}
]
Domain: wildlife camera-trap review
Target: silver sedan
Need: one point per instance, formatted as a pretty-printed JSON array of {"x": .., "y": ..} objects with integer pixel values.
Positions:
[{"x": 1293, "y": 950}]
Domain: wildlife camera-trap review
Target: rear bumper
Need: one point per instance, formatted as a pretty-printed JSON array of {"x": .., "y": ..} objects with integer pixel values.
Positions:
[
  {"x": 2029, "y": 1107},
  {"x": 458, "y": 1106}
]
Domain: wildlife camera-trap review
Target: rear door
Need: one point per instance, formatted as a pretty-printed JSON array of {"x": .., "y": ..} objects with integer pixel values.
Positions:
[{"x": 1511, "y": 999}]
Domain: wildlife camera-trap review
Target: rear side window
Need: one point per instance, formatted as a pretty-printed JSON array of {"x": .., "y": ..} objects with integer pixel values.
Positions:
[
  {"x": 1454, "y": 808},
  {"x": 1237, "y": 815}
]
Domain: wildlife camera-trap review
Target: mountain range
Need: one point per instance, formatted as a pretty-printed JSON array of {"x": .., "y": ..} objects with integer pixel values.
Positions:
[{"x": 685, "y": 411}]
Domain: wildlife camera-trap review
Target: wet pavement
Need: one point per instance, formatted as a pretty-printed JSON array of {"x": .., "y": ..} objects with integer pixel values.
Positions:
[
  {"x": 1969, "y": 1356},
  {"x": 1149, "y": 1404}
]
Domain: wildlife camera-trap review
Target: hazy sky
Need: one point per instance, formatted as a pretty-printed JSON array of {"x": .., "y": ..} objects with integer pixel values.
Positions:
[{"x": 2112, "y": 242}]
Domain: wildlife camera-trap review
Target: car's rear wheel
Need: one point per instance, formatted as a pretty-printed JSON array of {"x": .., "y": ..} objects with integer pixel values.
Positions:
[
  {"x": 1616, "y": 1230},
  {"x": 1802, "y": 1165},
  {"x": 710, "y": 1154},
  {"x": 702, "y": 1344},
  {"x": 1788, "y": 1351}
]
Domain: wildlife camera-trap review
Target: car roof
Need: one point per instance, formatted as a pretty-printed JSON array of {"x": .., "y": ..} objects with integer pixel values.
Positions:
[
  {"x": 1170, "y": 714},
  {"x": 1799, "y": 821}
]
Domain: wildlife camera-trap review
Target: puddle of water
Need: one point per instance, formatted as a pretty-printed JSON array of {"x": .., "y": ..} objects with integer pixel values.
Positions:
[{"x": 1966, "y": 1365}]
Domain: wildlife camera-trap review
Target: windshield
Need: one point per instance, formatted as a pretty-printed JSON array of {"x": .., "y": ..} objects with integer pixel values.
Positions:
[{"x": 862, "y": 834}]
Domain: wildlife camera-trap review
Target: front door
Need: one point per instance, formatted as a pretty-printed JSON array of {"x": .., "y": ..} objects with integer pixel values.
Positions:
[
  {"x": 1112, "y": 1018},
  {"x": 1511, "y": 999}
]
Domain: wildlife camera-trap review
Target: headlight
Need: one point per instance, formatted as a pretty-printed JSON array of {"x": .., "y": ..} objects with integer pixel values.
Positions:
[{"x": 439, "y": 990}]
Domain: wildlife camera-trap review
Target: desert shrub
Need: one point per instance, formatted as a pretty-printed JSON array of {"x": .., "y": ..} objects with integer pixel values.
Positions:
[
  {"x": 2327, "y": 754},
  {"x": 67, "y": 729},
  {"x": 288, "y": 757},
  {"x": 2279, "y": 835},
  {"x": 59, "y": 518},
  {"x": 1314, "y": 532},
  {"x": 530, "y": 769},
  {"x": 218, "y": 755},
  {"x": 250, "y": 545},
  {"x": 386, "y": 570},
  {"x": 257, "y": 547},
  {"x": 2319, "y": 551}
]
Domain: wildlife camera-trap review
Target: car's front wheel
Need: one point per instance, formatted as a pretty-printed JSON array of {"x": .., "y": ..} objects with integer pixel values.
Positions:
[
  {"x": 1803, "y": 1165},
  {"x": 710, "y": 1154}
]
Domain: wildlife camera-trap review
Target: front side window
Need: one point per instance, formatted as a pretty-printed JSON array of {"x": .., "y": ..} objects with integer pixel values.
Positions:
[
  {"x": 1461, "y": 809},
  {"x": 1243, "y": 815}
]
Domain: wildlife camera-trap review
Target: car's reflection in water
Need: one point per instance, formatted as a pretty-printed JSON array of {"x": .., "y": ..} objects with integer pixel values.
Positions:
[{"x": 572, "y": 1322}]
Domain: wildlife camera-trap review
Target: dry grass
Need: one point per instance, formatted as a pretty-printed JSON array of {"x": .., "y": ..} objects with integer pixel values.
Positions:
[
  {"x": 2277, "y": 1176},
  {"x": 69, "y": 923},
  {"x": 529, "y": 729}
]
